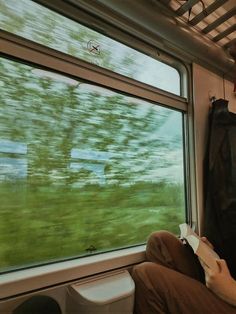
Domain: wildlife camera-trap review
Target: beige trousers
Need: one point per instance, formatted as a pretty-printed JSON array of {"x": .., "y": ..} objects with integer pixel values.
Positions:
[{"x": 172, "y": 281}]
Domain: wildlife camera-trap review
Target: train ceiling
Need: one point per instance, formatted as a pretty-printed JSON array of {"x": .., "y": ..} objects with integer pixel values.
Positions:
[{"x": 215, "y": 19}]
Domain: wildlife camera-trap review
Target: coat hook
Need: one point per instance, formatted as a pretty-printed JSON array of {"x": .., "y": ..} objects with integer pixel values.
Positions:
[{"x": 212, "y": 99}]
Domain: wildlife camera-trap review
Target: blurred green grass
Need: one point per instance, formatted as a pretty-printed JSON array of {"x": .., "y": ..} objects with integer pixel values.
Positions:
[{"x": 41, "y": 224}]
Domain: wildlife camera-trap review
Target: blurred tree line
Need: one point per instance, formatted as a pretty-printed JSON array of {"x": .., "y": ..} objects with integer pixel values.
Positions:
[{"x": 98, "y": 168}]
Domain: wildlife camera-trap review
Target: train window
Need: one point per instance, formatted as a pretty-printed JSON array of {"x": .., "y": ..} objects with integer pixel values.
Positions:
[
  {"x": 39, "y": 24},
  {"x": 83, "y": 169}
]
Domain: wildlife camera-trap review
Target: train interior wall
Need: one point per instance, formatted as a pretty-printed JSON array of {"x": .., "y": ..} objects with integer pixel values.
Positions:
[{"x": 206, "y": 85}]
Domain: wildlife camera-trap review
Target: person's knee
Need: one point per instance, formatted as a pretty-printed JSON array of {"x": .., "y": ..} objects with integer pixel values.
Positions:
[
  {"x": 160, "y": 248},
  {"x": 162, "y": 236}
]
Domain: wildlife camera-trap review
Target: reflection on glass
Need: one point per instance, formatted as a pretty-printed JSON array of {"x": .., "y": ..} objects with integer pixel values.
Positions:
[
  {"x": 35, "y": 22},
  {"x": 82, "y": 167}
]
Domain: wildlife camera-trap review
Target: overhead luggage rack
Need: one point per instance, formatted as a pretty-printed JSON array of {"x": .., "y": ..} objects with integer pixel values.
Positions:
[{"x": 215, "y": 19}]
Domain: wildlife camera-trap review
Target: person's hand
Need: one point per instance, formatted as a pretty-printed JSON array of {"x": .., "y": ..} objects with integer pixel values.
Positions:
[
  {"x": 205, "y": 240},
  {"x": 219, "y": 279},
  {"x": 221, "y": 282}
]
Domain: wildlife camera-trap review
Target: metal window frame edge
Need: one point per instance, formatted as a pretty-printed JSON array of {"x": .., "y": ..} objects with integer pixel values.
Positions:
[
  {"x": 29, "y": 52},
  {"x": 99, "y": 17},
  {"x": 192, "y": 215},
  {"x": 29, "y": 280}
]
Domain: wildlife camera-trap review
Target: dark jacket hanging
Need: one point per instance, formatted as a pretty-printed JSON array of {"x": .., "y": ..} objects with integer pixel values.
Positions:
[{"x": 220, "y": 183}]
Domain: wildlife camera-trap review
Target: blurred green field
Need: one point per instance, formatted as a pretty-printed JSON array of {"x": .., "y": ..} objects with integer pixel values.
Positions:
[{"x": 45, "y": 224}]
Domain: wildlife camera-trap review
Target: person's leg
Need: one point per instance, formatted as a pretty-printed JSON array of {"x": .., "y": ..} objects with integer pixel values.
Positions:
[
  {"x": 166, "y": 249},
  {"x": 160, "y": 290}
]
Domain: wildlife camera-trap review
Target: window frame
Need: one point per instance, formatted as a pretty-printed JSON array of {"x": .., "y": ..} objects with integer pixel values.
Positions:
[
  {"x": 26, "y": 51},
  {"x": 23, "y": 50},
  {"x": 32, "y": 279},
  {"x": 99, "y": 18}
]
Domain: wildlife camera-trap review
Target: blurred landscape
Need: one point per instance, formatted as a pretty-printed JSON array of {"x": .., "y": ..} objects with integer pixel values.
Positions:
[{"x": 83, "y": 169}]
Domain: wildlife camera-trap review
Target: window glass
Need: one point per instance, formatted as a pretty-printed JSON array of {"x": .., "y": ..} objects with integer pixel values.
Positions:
[
  {"x": 35, "y": 22},
  {"x": 82, "y": 169}
]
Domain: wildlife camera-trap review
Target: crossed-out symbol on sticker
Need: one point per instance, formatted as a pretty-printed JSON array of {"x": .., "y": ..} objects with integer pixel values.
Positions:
[{"x": 93, "y": 47}]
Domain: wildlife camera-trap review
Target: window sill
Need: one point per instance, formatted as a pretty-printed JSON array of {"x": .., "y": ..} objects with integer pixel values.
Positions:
[{"x": 27, "y": 280}]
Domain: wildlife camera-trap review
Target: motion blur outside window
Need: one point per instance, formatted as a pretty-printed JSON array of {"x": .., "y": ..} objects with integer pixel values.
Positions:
[
  {"x": 39, "y": 24},
  {"x": 83, "y": 169}
]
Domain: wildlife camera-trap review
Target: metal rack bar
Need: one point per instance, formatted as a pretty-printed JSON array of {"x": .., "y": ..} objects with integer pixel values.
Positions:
[
  {"x": 211, "y": 8},
  {"x": 186, "y": 6},
  {"x": 220, "y": 20},
  {"x": 228, "y": 31}
]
